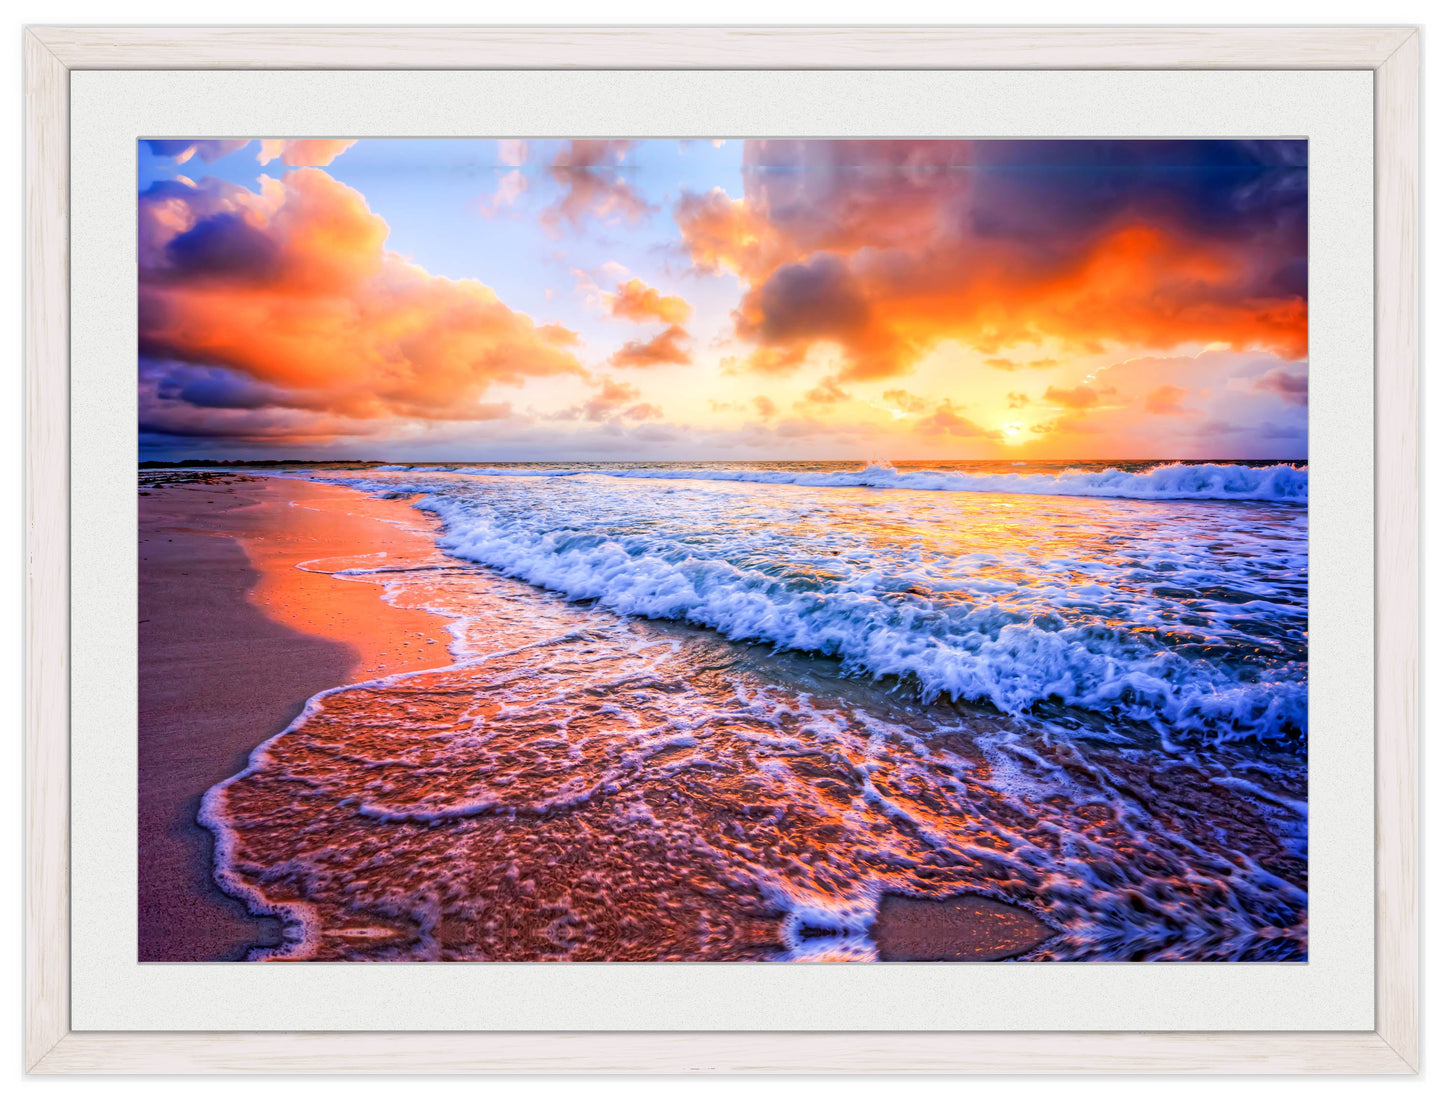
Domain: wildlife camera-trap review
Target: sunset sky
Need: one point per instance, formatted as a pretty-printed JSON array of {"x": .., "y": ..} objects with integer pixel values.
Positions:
[{"x": 762, "y": 299}]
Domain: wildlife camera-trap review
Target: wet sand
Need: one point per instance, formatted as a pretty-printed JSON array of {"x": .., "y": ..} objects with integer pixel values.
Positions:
[
  {"x": 964, "y": 927},
  {"x": 233, "y": 640}
]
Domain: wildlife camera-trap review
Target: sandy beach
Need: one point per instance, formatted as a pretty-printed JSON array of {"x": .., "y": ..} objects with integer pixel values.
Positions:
[
  {"x": 233, "y": 640},
  {"x": 596, "y": 786}
]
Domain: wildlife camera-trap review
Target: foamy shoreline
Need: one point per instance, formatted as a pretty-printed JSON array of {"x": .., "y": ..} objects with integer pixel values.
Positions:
[
  {"x": 562, "y": 782},
  {"x": 233, "y": 640}
]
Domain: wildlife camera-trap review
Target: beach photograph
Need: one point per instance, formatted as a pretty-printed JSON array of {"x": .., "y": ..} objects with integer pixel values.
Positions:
[{"x": 723, "y": 549}]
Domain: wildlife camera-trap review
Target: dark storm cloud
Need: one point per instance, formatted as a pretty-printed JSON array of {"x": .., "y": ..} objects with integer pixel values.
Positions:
[{"x": 887, "y": 248}]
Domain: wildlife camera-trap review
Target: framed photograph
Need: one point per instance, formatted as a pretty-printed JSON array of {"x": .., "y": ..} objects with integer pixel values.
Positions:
[{"x": 722, "y": 549}]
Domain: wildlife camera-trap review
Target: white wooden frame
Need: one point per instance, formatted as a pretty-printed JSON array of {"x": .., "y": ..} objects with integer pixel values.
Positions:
[{"x": 1391, "y": 52}]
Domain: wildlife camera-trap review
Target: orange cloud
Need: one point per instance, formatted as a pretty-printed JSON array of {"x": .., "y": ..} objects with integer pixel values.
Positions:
[
  {"x": 1070, "y": 424},
  {"x": 1077, "y": 397},
  {"x": 1002, "y": 363},
  {"x": 594, "y": 185},
  {"x": 904, "y": 401},
  {"x": 303, "y": 152},
  {"x": 827, "y": 392},
  {"x": 292, "y": 287},
  {"x": 767, "y": 361},
  {"x": 885, "y": 249},
  {"x": 665, "y": 347},
  {"x": 636, "y": 301},
  {"x": 610, "y": 397},
  {"x": 612, "y": 401},
  {"x": 1136, "y": 285},
  {"x": 558, "y": 335},
  {"x": 945, "y": 420},
  {"x": 725, "y": 233}
]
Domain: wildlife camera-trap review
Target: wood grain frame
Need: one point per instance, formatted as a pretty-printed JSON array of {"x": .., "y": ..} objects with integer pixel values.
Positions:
[{"x": 50, "y": 1047}]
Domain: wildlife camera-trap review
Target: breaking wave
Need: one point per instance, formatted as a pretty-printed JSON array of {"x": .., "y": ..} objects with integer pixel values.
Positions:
[
  {"x": 941, "y": 632},
  {"x": 1282, "y": 482}
]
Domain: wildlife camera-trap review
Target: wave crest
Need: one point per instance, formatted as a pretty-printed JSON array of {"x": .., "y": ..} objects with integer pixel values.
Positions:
[
  {"x": 974, "y": 652},
  {"x": 1281, "y": 482}
]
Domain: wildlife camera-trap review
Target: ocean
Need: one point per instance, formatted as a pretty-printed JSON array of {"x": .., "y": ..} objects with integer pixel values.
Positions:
[{"x": 722, "y": 711}]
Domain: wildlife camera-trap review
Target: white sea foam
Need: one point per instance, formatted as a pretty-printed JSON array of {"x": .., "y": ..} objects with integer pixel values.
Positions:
[
  {"x": 1172, "y": 481},
  {"x": 985, "y": 639},
  {"x": 828, "y": 929},
  {"x": 526, "y": 472}
]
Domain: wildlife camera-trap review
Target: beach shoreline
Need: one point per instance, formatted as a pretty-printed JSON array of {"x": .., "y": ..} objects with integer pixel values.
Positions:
[
  {"x": 233, "y": 640},
  {"x": 532, "y": 706}
]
